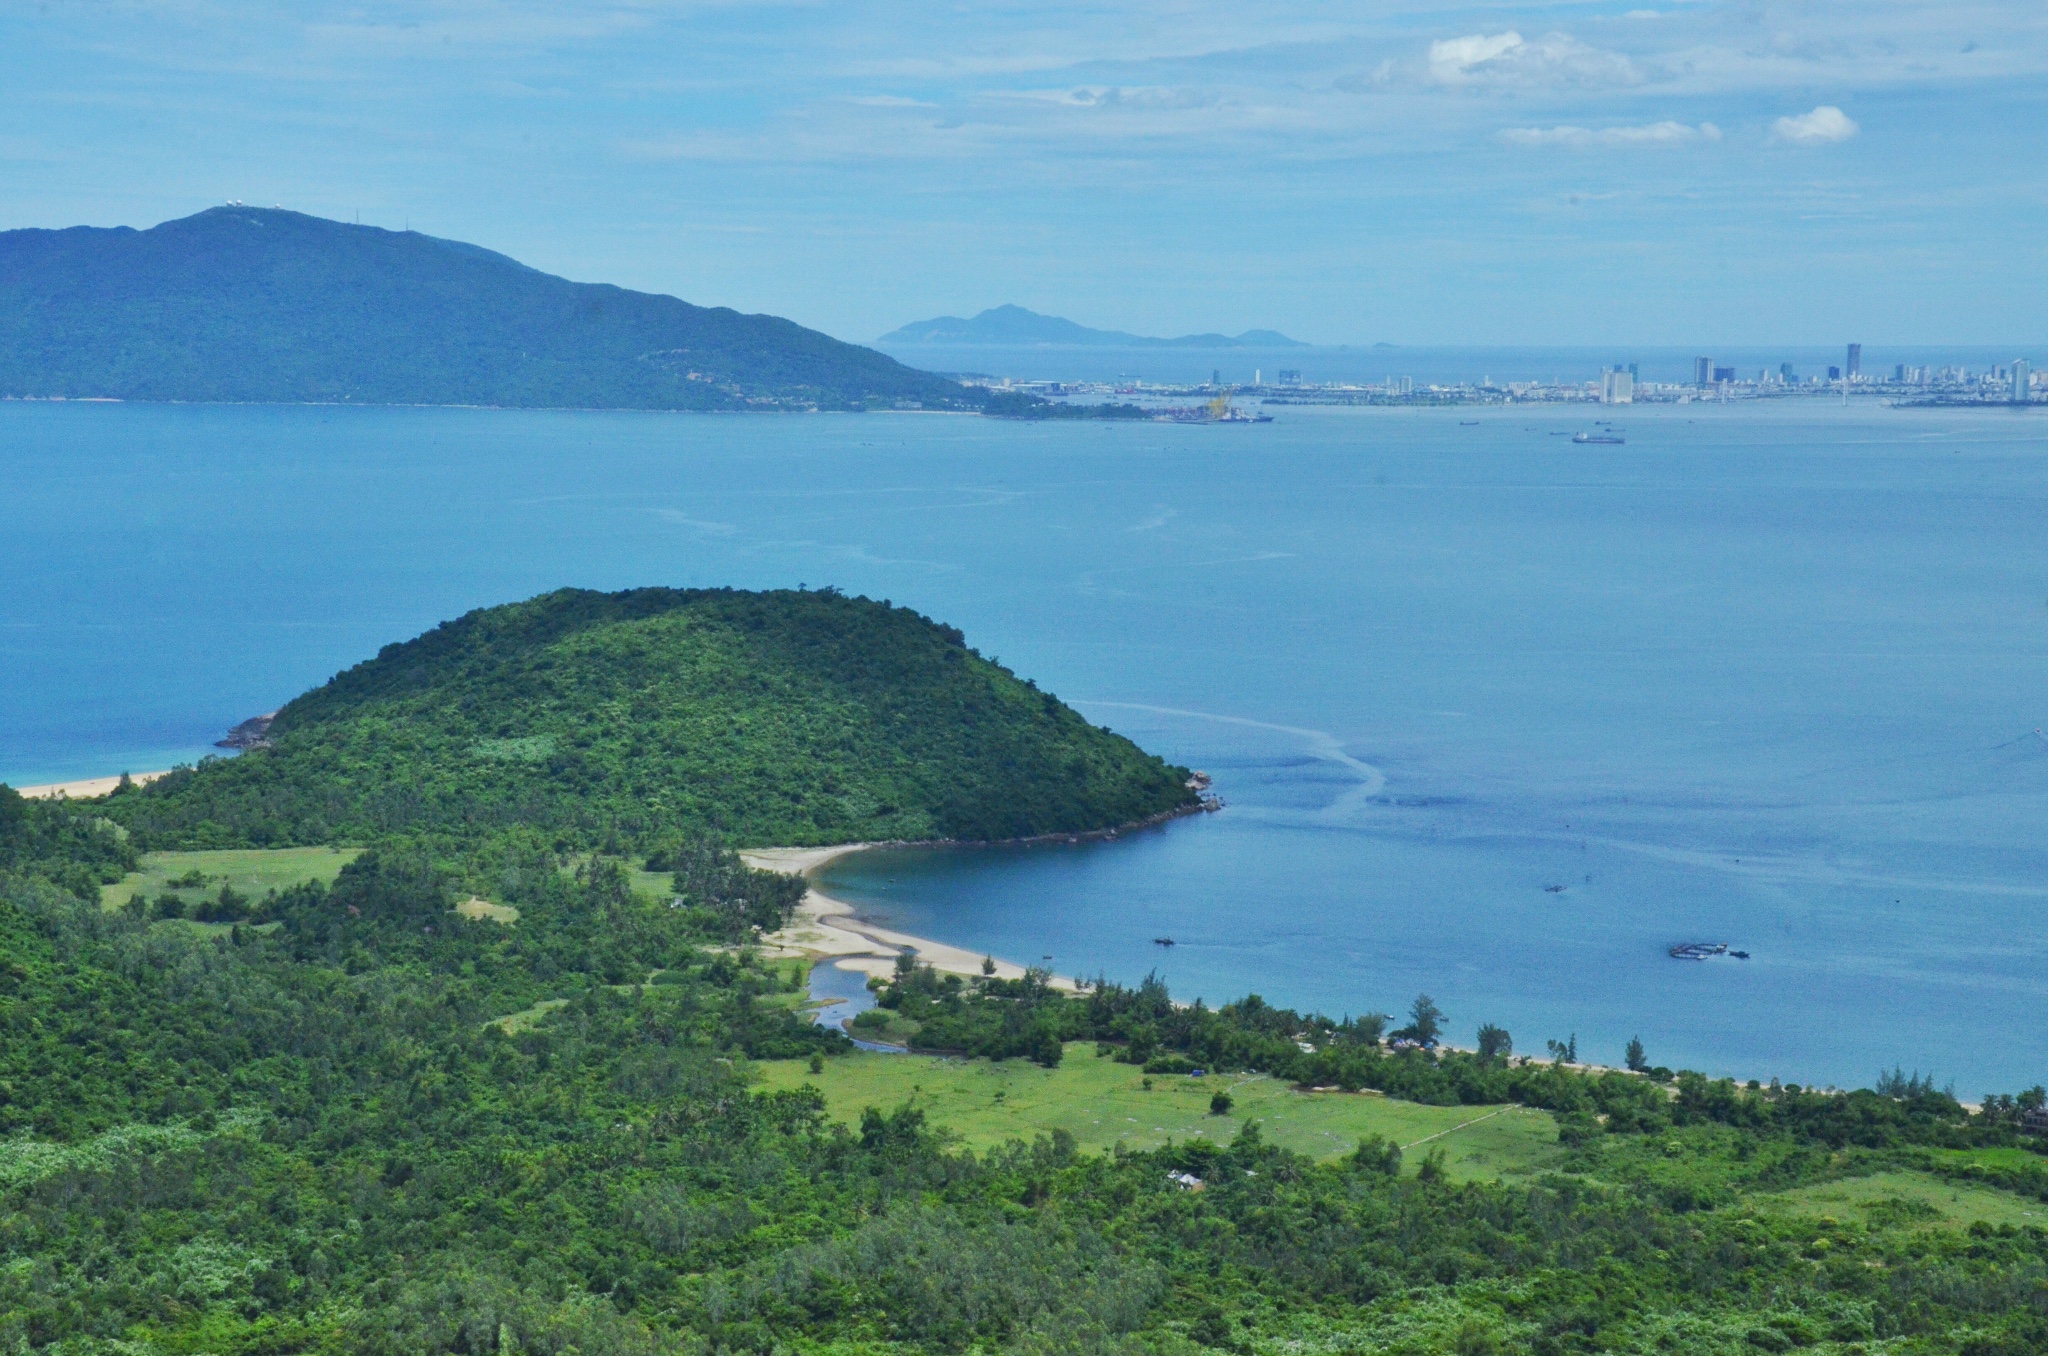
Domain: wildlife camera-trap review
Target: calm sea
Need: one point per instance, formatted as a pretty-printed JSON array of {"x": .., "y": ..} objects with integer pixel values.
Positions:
[
  {"x": 1498, "y": 717},
  {"x": 1446, "y": 366}
]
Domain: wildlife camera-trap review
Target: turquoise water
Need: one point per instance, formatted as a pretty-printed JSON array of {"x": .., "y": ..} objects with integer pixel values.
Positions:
[{"x": 1769, "y": 676}]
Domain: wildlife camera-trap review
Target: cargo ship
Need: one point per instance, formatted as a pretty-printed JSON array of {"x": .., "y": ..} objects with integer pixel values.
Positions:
[{"x": 1217, "y": 411}]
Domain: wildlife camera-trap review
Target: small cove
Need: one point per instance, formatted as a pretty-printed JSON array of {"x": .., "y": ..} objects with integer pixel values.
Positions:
[{"x": 1771, "y": 676}]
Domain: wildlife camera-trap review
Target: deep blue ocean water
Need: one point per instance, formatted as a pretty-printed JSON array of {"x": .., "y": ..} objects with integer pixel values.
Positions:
[{"x": 1774, "y": 676}]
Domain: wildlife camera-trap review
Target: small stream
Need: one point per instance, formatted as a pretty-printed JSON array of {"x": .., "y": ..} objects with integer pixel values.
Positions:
[{"x": 845, "y": 996}]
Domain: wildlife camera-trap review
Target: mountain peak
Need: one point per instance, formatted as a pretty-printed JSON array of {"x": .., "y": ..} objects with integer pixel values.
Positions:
[{"x": 240, "y": 303}]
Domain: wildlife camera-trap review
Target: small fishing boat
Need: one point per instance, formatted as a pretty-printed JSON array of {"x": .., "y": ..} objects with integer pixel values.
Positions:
[
  {"x": 1698, "y": 951},
  {"x": 1598, "y": 438},
  {"x": 1163, "y": 941}
]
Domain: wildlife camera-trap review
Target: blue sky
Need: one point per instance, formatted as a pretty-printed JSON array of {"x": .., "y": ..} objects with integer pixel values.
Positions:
[{"x": 1645, "y": 173}]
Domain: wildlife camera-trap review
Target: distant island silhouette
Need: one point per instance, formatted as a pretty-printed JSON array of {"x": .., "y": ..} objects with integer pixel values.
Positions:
[
  {"x": 1016, "y": 327},
  {"x": 255, "y": 305}
]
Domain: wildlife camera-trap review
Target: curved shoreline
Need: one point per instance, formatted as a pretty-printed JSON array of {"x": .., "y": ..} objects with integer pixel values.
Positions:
[
  {"x": 826, "y": 928},
  {"x": 90, "y": 788},
  {"x": 829, "y": 929}
]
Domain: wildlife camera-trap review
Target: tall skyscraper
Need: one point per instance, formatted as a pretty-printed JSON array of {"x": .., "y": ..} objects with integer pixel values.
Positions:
[
  {"x": 1617, "y": 387},
  {"x": 1855, "y": 361},
  {"x": 1703, "y": 371},
  {"x": 1785, "y": 373},
  {"x": 2020, "y": 394}
]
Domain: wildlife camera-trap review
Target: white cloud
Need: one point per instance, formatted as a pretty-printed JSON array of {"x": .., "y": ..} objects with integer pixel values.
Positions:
[
  {"x": 1111, "y": 96},
  {"x": 1453, "y": 58},
  {"x": 1825, "y": 124},
  {"x": 1665, "y": 133},
  {"x": 1505, "y": 59}
]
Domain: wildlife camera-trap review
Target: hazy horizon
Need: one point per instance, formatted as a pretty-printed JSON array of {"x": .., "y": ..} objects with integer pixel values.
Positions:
[{"x": 1502, "y": 175}]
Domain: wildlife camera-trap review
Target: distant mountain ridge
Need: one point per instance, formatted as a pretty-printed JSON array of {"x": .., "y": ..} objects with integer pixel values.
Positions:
[
  {"x": 247, "y": 304},
  {"x": 1014, "y": 326}
]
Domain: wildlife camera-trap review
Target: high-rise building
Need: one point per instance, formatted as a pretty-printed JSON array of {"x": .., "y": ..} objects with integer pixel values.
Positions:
[
  {"x": 1785, "y": 373},
  {"x": 1290, "y": 377},
  {"x": 1703, "y": 371},
  {"x": 1855, "y": 361},
  {"x": 1834, "y": 374},
  {"x": 2020, "y": 375},
  {"x": 1722, "y": 374},
  {"x": 1899, "y": 374},
  {"x": 1617, "y": 387}
]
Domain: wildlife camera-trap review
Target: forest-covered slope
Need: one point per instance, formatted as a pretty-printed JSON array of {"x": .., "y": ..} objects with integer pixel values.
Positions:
[
  {"x": 246, "y": 304},
  {"x": 361, "y": 1123},
  {"x": 785, "y": 717}
]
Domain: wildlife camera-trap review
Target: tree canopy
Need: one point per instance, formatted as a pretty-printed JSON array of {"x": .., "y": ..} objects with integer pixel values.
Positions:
[{"x": 615, "y": 720}]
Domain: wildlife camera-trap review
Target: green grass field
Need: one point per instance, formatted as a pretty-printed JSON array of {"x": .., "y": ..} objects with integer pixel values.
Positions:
[
  {"x": 251, "y": 873},
  {"x": 1101, "y": 1103},
  {"x": 1905, "y": 1198}
]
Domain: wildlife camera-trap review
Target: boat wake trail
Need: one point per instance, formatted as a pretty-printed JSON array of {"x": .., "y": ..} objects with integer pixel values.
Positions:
[{"x": 1320, "y": 744}]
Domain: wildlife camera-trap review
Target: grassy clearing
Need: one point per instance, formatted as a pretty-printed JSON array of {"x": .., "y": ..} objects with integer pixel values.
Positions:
[
  {"x": 1101, "y": 1103},
  {"x": 481, "y": 909},
  {"x": 1893, "y": 1198},
  {"x": 653, "y": 884},
  {"x": 252, "y": 873},
  {"x": 514, "y": 1023}
]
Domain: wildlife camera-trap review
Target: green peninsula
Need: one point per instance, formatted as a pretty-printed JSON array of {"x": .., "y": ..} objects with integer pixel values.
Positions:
[
  {"x": 791, "y": 717},
  {"x": 249, "y": 304},
  {"x": 511, "y": 1074}
]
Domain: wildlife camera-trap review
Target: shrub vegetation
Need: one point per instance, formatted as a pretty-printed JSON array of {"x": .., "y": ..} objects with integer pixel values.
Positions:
[
  {"x": 633, "y": 720},
  {"x": 343, "y": 1117}
]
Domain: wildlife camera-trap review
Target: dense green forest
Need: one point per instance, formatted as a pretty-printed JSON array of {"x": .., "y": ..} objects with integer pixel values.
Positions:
[
  {"x": 247, "y": 304},
  {"x": 618, "y": 721},
  {"x": 355, "y": 1120},
  {"x": 492, "y": 1080}
]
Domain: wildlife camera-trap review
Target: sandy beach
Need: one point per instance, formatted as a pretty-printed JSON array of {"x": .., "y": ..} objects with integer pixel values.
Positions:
[
  {"x": 825, "y": 928},
  {"x": 87, "y": 789}
]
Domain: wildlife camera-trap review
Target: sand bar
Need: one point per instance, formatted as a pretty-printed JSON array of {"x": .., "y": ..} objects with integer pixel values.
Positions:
[
  {"x": 827, "y": 928},
  {"x": 89, "y": 788}
]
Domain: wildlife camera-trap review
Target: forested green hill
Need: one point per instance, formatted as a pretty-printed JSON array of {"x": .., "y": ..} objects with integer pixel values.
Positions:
[
  {"x": 617, "y": 719},
  {"x": 314, "y": 1133},
  {"x": 247, "y": 304},
  {"x": 475, "y": 1093}
]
